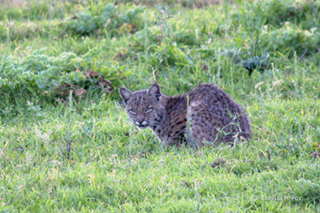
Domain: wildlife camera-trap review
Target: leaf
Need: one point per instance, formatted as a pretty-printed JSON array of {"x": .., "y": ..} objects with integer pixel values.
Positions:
[
  {"x": 91, "y": 74},
  {"x": 64, "y": 90},
  {"x": 103, "y": 83},
  {"x": 80, "y": 92}
]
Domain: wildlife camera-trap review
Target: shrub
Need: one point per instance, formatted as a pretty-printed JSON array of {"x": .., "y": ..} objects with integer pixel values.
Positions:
[
  {"x": 100, "y": 16},
  {"x": 279, "y": 12},
  {"x": 39, "y": 73},
  {"x": 291, "y": 38},
  {"x": 35, "y": 10},
  {"x": 12, "y": 30},
  {"x": 276, "y": 13}
]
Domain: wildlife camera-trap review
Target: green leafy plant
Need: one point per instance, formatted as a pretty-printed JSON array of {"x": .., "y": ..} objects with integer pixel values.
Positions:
[
  {"x": 102, "y": 16},
  {"x": 39, "y": 72},
  {"x": 292, "y": 38},
  {"x": 303, "y": 13},
  {"x": 257, "y": 62}
]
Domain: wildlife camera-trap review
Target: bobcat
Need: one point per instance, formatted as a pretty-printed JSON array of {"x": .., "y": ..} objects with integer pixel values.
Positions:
[{"x": 204, "y": 114}]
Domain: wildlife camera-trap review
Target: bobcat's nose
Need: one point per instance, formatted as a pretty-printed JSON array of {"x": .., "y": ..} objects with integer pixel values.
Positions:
[{"x": 141, "y": 123}]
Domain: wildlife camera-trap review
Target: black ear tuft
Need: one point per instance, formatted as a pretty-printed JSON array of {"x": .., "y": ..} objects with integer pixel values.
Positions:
[
  {"x": 155, "y": 91},
  {"x": 125, "y": 94}
]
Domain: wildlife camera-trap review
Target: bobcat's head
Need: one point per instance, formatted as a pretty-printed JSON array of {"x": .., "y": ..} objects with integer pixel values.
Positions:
[{"x": 144, "y": 107}]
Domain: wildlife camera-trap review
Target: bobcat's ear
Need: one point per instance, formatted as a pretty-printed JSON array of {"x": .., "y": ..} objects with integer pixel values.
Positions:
[
  {"x": 125, "y": 94},
  {"x": 155, "y": 91}
]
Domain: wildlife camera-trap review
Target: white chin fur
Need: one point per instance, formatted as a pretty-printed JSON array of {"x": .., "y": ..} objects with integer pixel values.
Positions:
[{"x": 143, "y": 127}]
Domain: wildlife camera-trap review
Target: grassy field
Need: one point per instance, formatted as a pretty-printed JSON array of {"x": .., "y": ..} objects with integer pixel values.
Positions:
[{"x": 67, "y": 145}]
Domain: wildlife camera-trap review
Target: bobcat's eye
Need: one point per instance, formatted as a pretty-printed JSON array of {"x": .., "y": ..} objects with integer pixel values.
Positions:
[
  {"x": 133, "y": 111},
  {"x": 148, "y": 110}
]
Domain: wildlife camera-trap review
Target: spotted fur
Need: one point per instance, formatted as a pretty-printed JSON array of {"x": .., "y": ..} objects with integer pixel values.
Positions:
[{"x": 204, "y": 114}]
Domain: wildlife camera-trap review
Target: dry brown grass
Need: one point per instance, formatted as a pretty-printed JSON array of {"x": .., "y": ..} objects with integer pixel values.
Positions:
[
  {"x": 13, "y": 3},
  {"x": 185, "y": 3},
  {"x": 25, "y": 3}
]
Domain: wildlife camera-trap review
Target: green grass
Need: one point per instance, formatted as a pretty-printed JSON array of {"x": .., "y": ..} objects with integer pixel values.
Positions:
[{"x": 82, "y": 154}]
